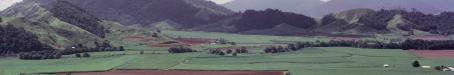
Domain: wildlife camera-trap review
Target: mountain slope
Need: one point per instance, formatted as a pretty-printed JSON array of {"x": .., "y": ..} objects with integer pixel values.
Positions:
[
  {"x": 297, "y": 6},
  {"x": 59, "y": 24},
  {"x": 262, "y": 20},
  {"x": 146, "y": 12},
  {"x": 367, "y": 21},
  {"x": 342, "y": 5}
]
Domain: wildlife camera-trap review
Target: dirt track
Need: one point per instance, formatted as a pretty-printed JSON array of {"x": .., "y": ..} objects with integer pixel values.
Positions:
[{"x": 168, "y": 72}]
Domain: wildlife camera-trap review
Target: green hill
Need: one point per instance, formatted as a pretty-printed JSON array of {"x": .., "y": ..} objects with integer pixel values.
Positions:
[{"x": 65, "y": 25}]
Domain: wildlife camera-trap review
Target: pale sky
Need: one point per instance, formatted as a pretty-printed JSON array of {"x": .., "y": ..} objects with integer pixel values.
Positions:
[
  {"x": 221, "y": 1},
  {"x": 6, "y": 3}
]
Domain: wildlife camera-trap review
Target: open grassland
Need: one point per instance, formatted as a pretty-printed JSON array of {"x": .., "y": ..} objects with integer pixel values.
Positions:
[
  {"x": 322, "y": 61},
  {"x": 310, "y": 61},
  {"x": 238, "y": 38},
  {"x": 98, "y": 62}
]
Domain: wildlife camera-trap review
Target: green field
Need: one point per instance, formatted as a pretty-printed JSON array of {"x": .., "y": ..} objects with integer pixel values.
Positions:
[
  {"x": 238, "y": 38},
  {"x": 310, "y": 61}
]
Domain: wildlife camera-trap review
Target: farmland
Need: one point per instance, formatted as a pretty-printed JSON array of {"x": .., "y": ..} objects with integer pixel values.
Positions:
[{"x": 309, "y": 61}]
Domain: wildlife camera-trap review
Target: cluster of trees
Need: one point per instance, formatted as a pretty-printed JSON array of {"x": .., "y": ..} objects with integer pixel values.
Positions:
[
  {"x": 75, "y": 15},
  {"x": 224, "y": 41},
  {"x": 99, "y": 47},
  {"x": 428, "y": 44},
  {"x": 225, "y": 51},
  {"x": 405, "y": 45},
  {"x": 39, "y": 55},
  {"x": 379, "y": 20},
  {"x": 85, "y": 55},
  {"x": 180, "y": 49},
  {"x": 438, "y": 24},
  {"x": 269, "y": 18},
  {"x": 290, "y": 47},
  {"x": 15, "y": 40}
]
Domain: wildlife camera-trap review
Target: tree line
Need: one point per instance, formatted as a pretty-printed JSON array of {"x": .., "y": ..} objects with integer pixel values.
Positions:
[
  {"x": 290, "y": 47},
  {"x": 234, "y": 51},
  {"x": 409, "y": 44},
  {"x": 99, "y": 47},
  {"x": 180, "y": 49}
]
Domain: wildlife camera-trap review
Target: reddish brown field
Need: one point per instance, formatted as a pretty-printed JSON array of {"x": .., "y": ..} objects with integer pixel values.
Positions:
[
  {"x": 345, "y": 38},
  {"x": 195, "y": 41},
  {"x": 432, "y": 37},
  {"x": 166, "y": 72},
  {"x": 434, "y": 53}
]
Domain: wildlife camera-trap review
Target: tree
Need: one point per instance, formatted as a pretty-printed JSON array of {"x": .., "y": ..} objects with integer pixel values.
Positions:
[
  {"x": 78, "y": 55},
  {"x": 234, "y": 54},
  {"x": 141, "y": 52},
  {"x": 158, "y": 30},
  {"x": 229, "y": 51},
  {"x": 121, "y": 48},
  {"x": 222, "y": 53},
  {"x": 86, "y": 55},
  {"x": 416, "y": 64},
  {"x": 154, "y": 35}
]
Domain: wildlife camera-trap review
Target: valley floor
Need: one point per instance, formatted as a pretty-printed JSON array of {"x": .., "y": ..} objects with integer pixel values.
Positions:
[{"x": 310, "y": 61}]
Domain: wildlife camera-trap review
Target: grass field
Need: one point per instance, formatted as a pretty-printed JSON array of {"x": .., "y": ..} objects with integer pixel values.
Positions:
[
  {"x": 238, "y": 38},
  {"x": 310, "y": 61}
]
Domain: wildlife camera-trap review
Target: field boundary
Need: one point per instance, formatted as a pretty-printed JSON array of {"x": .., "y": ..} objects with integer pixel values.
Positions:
[{"x": 283, "y": 71}]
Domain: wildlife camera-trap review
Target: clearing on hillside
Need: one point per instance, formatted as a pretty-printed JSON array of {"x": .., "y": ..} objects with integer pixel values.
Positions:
[{"x": 176, "y": 72}]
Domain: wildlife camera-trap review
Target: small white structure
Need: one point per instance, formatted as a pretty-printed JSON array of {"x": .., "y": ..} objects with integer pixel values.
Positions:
[
  {"x": 386, "y": 65},
  {"x": 451, "y": 68},
  {"x": 426, "y": 67}
]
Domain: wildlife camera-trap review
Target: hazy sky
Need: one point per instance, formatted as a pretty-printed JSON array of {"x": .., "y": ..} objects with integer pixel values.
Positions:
[
  {"x": 221, "y": 1},
  {"x": 6, "y": 3}
]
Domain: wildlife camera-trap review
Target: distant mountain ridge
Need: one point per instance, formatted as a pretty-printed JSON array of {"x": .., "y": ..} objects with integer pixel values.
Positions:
[{"x": 316, "y": 8}]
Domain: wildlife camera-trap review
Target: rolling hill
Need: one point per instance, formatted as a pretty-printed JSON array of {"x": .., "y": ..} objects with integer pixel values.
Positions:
[
  {"x": 189, "y": 13},
  {"x": 368, "y": 21},
  {"x": 60, "y": 24},
  {"x": 297, "y": 6}
]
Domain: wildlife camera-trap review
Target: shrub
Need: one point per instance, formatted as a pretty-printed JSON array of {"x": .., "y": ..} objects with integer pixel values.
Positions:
[
  {"x": 78, "y": 55},
  {"x": 416, "y": 64},
  {"x": 86, "y": 55}
]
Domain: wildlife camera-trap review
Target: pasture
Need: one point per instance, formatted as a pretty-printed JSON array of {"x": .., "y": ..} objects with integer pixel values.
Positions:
[{"x": 310, "y": 61}]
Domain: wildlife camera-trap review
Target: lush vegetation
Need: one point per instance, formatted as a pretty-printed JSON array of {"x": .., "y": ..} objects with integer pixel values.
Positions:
[
  {"x": 252, "y": 19},
  {"x": 14, "y": 40},
  {"x": 405, "y": 45},
  {"x": 99, "y": 47},
  {"x": 72, "y": 14},
  {"x": 438, "y": 24},
  {"x": 180, "y": 49}
]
